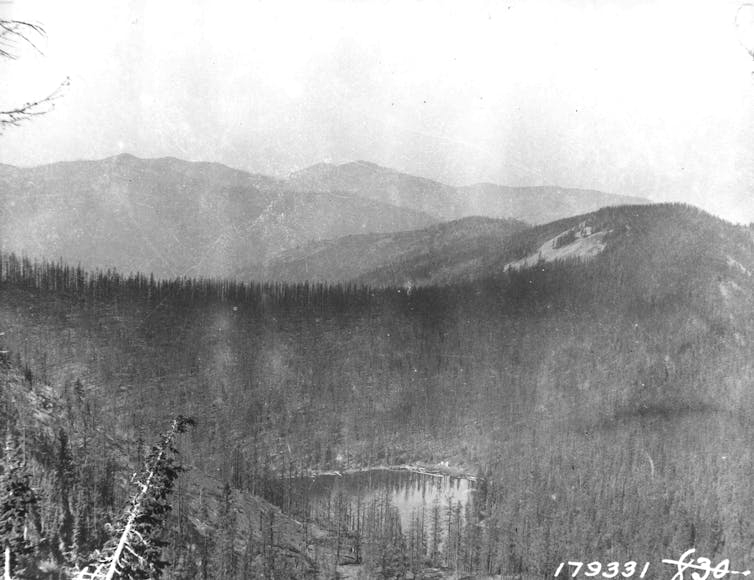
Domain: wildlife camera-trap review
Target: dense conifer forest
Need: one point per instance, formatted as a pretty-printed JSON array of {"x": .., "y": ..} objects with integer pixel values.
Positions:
[{"x": 603, "y": 406}]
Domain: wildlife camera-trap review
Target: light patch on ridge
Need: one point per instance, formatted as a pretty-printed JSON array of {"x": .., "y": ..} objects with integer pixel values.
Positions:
[
  {"x": 736, "y": 265},
  {"x": 585, "y": 245}
]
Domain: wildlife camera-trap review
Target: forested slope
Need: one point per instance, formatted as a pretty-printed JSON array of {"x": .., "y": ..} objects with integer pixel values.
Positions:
[
  {"x": 606, "y": 400},
  {"x": 366, "y": 255},
  {"x": 78, "y": 475}
]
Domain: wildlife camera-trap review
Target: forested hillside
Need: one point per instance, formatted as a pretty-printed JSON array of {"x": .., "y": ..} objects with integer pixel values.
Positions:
[
  {"x": 605, "y": 402},
  {"x": 446, "y": 245}
]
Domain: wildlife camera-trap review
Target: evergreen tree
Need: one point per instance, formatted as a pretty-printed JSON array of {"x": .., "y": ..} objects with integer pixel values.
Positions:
[
  {"x": 135, "y": 547},
  {"x": 81, "y": 527},
  {"x": 18, "y": 500},
  {"x": 394, "y": 562},
  {"x": 226, "y": 561},
  {"x": 64, "y": 473}
]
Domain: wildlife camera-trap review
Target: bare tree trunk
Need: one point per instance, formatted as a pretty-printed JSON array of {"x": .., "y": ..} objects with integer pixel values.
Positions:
[
  {"x": 136, "y": 509},
  {"x": 129, "y": 533}
]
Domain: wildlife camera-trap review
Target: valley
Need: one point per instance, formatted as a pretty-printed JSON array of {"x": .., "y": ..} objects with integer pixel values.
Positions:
[
  {"x": 373, "y": 290},
  {"x": 567, "y": 388}
]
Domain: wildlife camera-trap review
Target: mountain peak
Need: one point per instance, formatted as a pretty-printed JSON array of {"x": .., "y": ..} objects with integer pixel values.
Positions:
[
  {"x": 123, "y": 158},
  {"x": 366, "y": 165},
  {"x": 325, "y": 170},
  {"x": 317, "y": 171}
]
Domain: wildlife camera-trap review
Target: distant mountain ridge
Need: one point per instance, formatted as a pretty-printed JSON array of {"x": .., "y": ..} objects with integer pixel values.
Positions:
[
  {"x": 172, "y": 217},
  {"x": 535, "y": 205},
  {"x": 372, "y": 181}
]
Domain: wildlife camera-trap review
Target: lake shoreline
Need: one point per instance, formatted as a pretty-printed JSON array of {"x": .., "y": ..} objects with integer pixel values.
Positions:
[{"x": 437, "y": 470}]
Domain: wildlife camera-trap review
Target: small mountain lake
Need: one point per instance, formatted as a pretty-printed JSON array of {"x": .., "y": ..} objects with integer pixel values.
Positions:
[{"x": 425, "y": 507}]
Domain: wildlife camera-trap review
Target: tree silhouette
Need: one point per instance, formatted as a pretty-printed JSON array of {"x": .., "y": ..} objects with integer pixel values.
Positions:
[{"x": 13, "y": 35}]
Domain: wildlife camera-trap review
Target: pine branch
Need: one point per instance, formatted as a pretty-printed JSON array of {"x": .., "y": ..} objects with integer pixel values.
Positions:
[
  {"x": 17, "y": 32},
  {"x": 16, "y": 116},
  {"x": 13, "y": 35}
]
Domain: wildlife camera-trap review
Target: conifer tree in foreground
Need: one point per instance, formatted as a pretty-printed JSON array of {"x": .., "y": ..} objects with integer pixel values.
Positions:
[
  {"x": 18, "y": 499},
  {"x": 134, "y": 548}
]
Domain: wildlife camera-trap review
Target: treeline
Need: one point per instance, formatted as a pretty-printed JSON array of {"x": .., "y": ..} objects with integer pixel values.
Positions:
[{"x": 107, "y": 285}]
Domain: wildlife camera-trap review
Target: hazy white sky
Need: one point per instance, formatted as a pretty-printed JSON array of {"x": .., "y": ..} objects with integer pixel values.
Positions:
[{"x": 651, "y": 98}]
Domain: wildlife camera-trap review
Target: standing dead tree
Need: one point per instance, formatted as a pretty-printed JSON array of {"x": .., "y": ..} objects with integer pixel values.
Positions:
[
  {"x": 134, "y": 548},
  {"x": 13, "y": 35}
]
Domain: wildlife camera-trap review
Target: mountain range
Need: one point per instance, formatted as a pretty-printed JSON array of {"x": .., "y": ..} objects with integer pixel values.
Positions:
[
  {"x": 173, "y": 218},
  {"x": 534, "y": 205}
]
